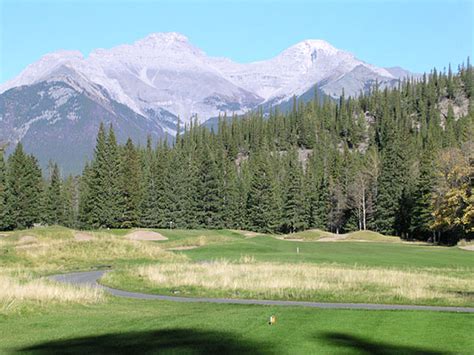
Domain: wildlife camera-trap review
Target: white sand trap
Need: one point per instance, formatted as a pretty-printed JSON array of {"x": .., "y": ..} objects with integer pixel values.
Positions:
[
  {"x": 331, "y": 239},
  {"x": 467, "y": 247},
  {"x": 82, "y": 237},
  {"x": 145, "y": 235},
  {"x": 293, "y": 239},
  {"x": 183, "y": 248}
]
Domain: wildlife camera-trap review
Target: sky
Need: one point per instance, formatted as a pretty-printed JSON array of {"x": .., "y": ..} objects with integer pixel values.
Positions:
[{"x": 417, "y": 35}]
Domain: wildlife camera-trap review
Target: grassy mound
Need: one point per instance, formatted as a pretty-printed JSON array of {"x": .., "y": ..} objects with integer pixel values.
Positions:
[
  {"x": 323, "y": 236},
  {"x": 58, "y": 249}
]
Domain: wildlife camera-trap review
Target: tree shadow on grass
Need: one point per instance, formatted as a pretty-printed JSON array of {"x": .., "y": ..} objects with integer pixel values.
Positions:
[
  {"x": 365, "y": 346},
  {"x": 190, "y": 341}
]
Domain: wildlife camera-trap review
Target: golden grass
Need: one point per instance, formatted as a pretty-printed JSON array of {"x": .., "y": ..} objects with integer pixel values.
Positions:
[
  {"x": 56, "y": 249},
  {"x": 306, "y": 281},
  {"x": 20, "y": 289}
]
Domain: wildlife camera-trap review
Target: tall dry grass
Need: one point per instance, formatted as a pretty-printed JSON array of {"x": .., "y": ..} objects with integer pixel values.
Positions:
[
  {"x": 307, "y": 281},
  {"x": 20, "y": 289},
  {"x": 45, "y": 253}
]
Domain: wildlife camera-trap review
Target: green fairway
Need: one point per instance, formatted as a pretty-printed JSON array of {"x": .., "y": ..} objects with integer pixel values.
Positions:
[
  {"x": 350, "y": 253},
  {"x": 132, "y": 326}
]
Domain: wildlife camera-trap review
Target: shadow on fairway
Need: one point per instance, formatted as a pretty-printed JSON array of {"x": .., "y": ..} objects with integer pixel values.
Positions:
[
  {"x": 364, "y": 346},
  {"x": 150, "y": 342}
]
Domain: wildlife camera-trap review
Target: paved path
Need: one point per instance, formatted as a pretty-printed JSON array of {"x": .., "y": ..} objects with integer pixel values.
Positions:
[{"x": 90, "y": 278}]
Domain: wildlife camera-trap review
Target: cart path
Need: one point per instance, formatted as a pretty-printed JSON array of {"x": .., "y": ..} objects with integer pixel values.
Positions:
[{"x": 90, "y": 278}]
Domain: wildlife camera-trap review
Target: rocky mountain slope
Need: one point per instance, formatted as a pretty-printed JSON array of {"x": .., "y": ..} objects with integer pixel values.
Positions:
[{"x": 56, "y": 104}]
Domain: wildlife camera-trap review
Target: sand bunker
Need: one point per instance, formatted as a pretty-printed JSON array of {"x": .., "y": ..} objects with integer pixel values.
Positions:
[
  {"x": 145, "y": 235},
  {"x": 82, "y": 237},
  {"x": 293, "y": 239},
  {"x": 331, "y": 239},
  {"x": 467, "y": 247}
]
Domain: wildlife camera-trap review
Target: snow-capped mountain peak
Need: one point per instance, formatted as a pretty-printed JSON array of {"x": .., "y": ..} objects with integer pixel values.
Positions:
[
  {"x": 147, "y": 84},
  {"x": 163, "y": 37}
]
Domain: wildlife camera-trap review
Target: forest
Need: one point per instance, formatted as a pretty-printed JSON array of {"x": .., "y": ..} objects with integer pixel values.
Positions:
[{"x": 398, "y": 161}]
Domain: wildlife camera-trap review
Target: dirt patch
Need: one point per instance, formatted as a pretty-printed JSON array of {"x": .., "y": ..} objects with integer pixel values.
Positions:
[
  {"x": 3, "y": 235},
  {"x": 82, "y": 237},
  {"x": 145, "y": 235},
  {"x": 293, "y": 239},
  {"x": 183, "y": 248},
  {"x": 467, "y": 247}
]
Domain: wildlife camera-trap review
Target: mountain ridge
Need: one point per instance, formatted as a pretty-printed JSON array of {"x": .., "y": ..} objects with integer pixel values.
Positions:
[{"x": 155, "y": 81}]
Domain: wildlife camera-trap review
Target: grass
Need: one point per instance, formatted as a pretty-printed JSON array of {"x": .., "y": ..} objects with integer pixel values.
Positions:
[
  {"x": 21, "y": 291},
  {"x": 308, "y": 282},
  {"x": 396, "y": 255},
  {"x": 60, "y": 319},
  {"x": 54, "y": 250},
  {"x": 123, "y": 326}
]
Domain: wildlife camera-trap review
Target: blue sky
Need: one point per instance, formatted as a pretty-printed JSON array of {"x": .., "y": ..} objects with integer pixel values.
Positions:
[{"x": 416, "y": 35}]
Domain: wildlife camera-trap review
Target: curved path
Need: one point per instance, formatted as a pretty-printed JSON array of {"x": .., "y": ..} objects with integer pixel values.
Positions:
[{"x": 90, "y": 278}]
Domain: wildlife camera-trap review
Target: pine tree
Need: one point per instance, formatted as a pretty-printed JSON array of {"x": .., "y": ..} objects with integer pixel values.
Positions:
[
  {"x": 3, "y": 204},
  {"x": 390, "y": 184},
  {"x": 210, "y": 192},
  {"x": 114, "y": 201},
  {"x": 293, "y": 204},
  {"x": 54, "y": 211},
  {"x": 422, "y": 210},
  {"x": 104, "y": 183},
  {"x": 129, "y": 187},
  {"x": 23, "y": 193},
  {"x": 262, "y": 206},
  {"x": 70, "y": 202}
]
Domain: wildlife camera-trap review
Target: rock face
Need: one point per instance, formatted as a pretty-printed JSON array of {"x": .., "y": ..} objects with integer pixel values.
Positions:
[{"x": 57, "y": 103}]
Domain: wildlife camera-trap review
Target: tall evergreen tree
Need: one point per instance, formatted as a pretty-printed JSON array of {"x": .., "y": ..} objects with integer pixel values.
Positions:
[
  {"x": 293, "y": 203},
  {"x": 23, "y": 193},
  {"x": 262, "y": 205},
  {"x": 130, "y": 192},
  {"x": 54, "y": 209},
  {"x": 3, "y": 203}
]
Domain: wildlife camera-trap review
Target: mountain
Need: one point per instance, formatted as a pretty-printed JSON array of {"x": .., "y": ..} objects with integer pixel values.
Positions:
[{"x": 56, "y": 104}]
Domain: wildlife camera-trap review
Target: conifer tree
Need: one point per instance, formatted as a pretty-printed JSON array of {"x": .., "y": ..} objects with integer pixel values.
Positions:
[
  {"x": 54, "y": 209},
  {"x": 3, "y": 204},
  {"x": 211, "y": 201},
  {"x": 130, "y": 192},
  {"x": 23, "y": 194},
  {"x": 262, "y": 206},
  {"x": 293, "y": 203},
  {"x": 390, "y": 184},
  {"x": 70, "y": 202}
]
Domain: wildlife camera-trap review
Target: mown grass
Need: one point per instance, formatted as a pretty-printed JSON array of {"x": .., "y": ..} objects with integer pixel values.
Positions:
[
  {"x": 396, "y": 255},
  {"x": 123, "y": 326}
]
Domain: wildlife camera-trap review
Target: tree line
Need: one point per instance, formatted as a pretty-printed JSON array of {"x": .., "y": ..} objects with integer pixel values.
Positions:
[{"x": 399, "y": 161}]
